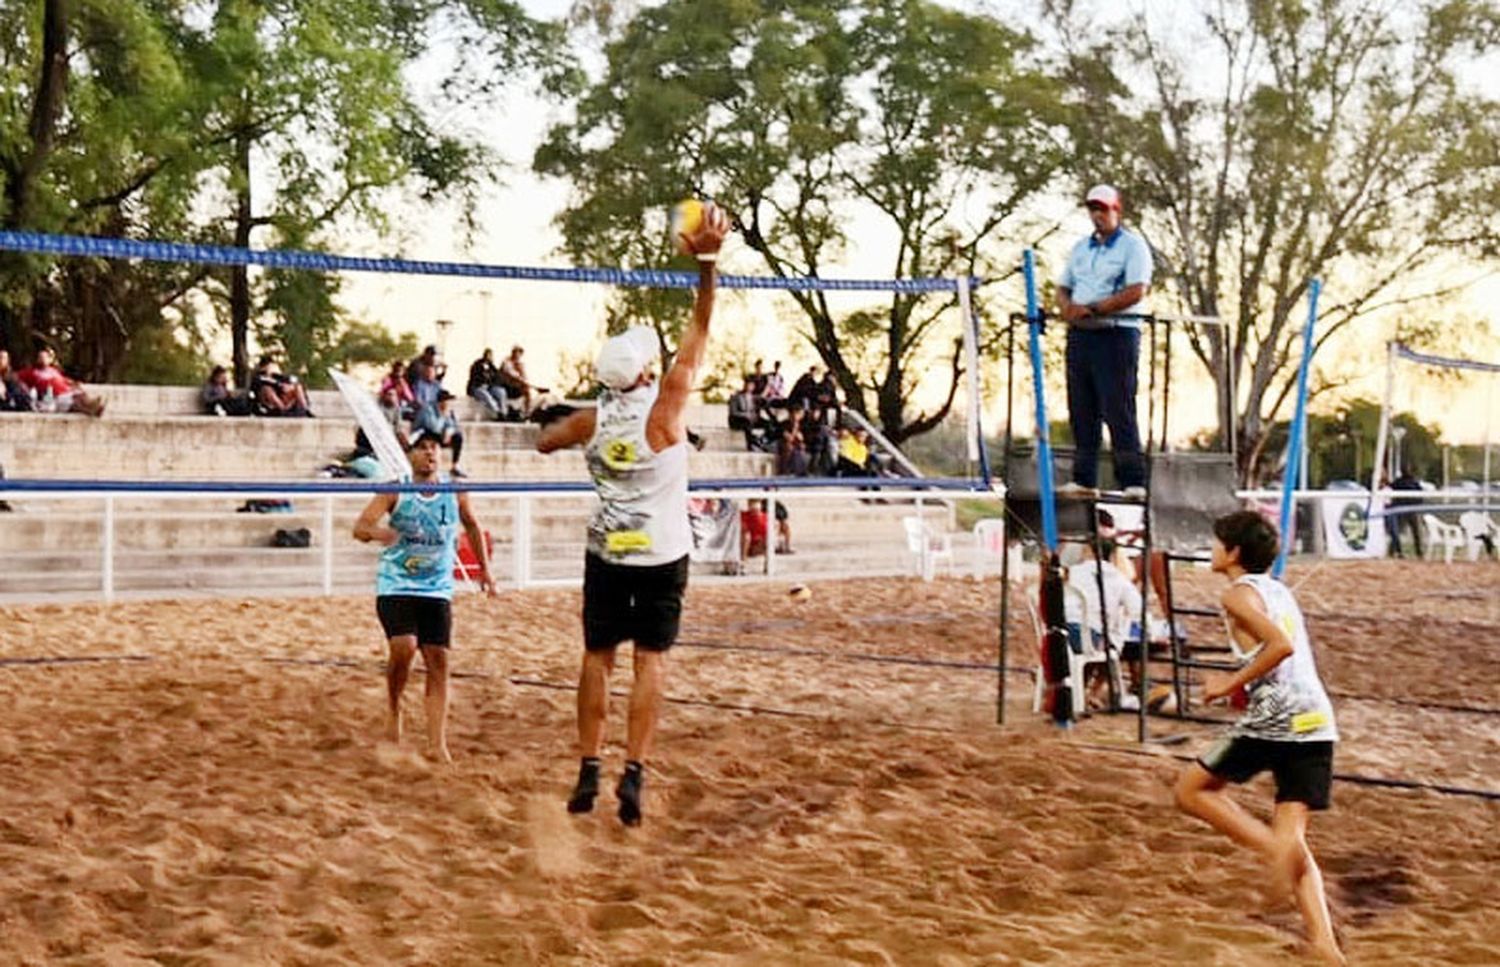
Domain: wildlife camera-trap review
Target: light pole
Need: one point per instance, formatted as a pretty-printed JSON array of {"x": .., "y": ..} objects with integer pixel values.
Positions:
[{"x": 1397, "y": 432}]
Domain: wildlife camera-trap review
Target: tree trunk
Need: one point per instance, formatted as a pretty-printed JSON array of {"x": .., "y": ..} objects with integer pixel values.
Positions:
[
  {"x": 239, "y": 276},
  {"x": 22, "y": 173}
]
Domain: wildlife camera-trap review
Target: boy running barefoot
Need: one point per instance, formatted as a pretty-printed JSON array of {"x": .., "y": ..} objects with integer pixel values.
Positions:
[{"x": 1288, "y": 727}]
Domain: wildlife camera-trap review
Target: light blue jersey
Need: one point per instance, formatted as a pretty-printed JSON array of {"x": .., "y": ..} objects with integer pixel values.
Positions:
[
  {"x": 421, "y": 563},
  {"x": 1096, "y": 270}
]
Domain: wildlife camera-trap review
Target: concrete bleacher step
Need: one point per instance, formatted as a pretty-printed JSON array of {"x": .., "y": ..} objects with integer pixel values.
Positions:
[
  {"x": 66, "y": 528},
  {"x": 300, "y": 570}
]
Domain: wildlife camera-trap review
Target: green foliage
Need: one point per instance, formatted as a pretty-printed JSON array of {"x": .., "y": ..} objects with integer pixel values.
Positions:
[
  {"x": 800, "y": 117},
  {"x": 1289, "y": 141},
  {"x": 1341, "y": 445},
  {"x": 158, "y": 358},
  {"x": 268, "y": 122}
]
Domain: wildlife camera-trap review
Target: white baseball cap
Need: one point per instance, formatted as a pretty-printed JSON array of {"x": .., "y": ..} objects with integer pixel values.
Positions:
[
  {"x": 624, "y": 357},
  {"x": 1106, "y": 195}
]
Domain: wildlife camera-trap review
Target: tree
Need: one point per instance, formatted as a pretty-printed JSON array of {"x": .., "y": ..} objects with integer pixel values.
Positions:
[
  {"x": 292, "y": 117},
  {"x": 312, "y": 97},
  {"x": 800, "y": 117},
  {"x": 1293, "y": 140}
]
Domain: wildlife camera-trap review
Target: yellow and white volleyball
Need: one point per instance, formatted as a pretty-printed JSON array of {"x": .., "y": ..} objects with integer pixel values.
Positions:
[
  {"x": 799, "y": 592},
  {"x": 687, "y": 220}
]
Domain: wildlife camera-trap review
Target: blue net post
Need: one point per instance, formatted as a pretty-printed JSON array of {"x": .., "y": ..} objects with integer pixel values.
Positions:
[
  {"x": 1043, "y": 432},
  {"x": 1298, "y": 432}
]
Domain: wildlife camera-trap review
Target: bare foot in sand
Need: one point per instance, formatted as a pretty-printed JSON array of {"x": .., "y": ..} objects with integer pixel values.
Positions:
[
  {"x": 441, "y": 754},
  {"x": 393, "y": 727},
  {"x": 1328, "y": 954}
]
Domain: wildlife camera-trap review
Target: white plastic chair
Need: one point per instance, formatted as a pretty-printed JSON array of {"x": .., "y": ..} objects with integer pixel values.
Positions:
[
  {"x": 1092, "y": 652},
  {"x": 1448, "y": 537},
  {"x": 989, "y": 545},
  {"x": 928, "y": 545},
  {"x": 1476, "y": 527}
]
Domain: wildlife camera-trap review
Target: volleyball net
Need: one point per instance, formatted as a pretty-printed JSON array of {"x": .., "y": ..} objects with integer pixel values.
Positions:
[{"x": 186, "y": 504}]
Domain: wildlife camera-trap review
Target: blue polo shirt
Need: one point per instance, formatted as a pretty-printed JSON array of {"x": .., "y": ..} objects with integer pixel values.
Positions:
[{"x": 1098, "y": 269}]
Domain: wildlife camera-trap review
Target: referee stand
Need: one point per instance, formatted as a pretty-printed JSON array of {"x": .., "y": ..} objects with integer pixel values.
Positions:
[{"x": 1184, "y": 492}]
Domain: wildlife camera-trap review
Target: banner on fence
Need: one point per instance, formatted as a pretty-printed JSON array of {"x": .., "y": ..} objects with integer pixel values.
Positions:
[
  {"x": 716, "y": 530},
  {"x": 1352, "y": 525}
]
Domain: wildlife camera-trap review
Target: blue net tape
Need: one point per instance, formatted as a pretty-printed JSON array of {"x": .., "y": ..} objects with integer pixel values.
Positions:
[
  {"x": 1445, "y": 362},
  {"x": 40, "y": 243}
]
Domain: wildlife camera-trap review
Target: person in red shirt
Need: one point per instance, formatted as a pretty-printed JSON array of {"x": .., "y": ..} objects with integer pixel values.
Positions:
[
  {"x": 45, "y": 380},
  {"x": 754, "y": 526}
]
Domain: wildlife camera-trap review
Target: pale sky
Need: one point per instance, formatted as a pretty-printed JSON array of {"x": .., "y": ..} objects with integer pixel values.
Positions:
[{"x": 554, "y": 319}]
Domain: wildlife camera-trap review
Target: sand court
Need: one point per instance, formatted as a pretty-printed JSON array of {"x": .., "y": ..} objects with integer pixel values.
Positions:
[{"x": 211, "y": 790}]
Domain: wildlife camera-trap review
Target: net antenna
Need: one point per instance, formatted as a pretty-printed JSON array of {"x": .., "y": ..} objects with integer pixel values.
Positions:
[{"x": 377, "y": 428}]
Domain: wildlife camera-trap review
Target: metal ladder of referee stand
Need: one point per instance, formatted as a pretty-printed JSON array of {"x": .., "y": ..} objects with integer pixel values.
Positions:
[{"x": 1183, "y": 659}]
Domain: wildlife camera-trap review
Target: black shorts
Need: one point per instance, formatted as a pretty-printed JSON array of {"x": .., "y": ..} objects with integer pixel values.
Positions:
[
  {"x": 430, "y": 619},
  {"x": 1303, "y": 770},
  {"x": 622, "y": 602}
]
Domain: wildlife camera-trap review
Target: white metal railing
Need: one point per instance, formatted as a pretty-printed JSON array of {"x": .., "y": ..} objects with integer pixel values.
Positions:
[{"x": 857, "y": 552}]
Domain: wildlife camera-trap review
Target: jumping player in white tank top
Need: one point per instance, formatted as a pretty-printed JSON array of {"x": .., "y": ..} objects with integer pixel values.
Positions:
[
  {"x": 635, "y": 570},
  {"x": 1287, "y": 728}
]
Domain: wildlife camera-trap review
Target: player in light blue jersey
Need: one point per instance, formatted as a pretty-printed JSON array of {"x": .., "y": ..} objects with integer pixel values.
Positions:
[{"x": 414, "y": 583}]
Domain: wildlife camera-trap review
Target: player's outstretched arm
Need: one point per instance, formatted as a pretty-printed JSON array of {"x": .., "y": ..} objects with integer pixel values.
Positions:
[{"x": 665, "y": 427}]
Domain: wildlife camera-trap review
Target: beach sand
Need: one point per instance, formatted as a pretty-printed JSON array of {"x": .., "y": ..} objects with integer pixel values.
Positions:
[{"x": 214, "y": 792}]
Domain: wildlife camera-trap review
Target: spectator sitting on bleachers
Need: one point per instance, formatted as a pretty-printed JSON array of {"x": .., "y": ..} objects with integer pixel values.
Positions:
[
  {"x": 854, "y": 454},
  {"x": 395, "y": 392},
  {"x": 13, "y": 396},
  {"x": 513, "y": 378},
  {"x": 431, "y": 358},
  {"x": 425, "y": 387},
  {"x": 273, "y": 393},
  {"x": 804, "y": 389},
  {"x": 757, "y": 378},
  {"x": 791, "y": 451},
  {"x": 826, "y": 396},
  {"x": 219, "y": 397},
  {"x": 821, "y": 454},
  {"x": 54, "y": 392},
  {"x": 746, "y": 415},
  {"x": 775, "y": 391},
  {"x": 485, "y": 386},
  {"x": 439, "y": 418}
]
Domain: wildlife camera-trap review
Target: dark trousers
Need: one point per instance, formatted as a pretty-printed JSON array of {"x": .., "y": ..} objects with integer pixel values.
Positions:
[
  {"x": 1101, "y": 389},
  {"x": 1396, "y": 523}
]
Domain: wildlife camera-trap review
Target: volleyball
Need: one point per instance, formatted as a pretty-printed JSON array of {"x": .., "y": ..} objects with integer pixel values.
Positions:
[
  {"x": 799, "y": 592},
  {"x": 687, "y": 219}
]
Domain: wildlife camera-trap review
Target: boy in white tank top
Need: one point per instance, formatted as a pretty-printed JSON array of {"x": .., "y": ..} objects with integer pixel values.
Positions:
[{"x": 1288, "y": 727}]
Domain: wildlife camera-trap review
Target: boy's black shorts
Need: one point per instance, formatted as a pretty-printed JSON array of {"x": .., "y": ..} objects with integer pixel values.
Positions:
[
  {"x": 430, "y": 619},
  {"x": 642, "y": 604},
  {"x": 1303, "y": 770}
]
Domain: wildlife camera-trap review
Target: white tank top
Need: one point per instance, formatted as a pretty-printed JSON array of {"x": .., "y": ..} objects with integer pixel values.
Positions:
[
  {"x": 642, "y": 519},
  {"x": 1288, "y": 703}
]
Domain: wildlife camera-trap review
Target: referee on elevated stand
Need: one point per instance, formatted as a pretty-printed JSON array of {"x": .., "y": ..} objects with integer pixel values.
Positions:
[{"x": 1107, "y": 273}]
